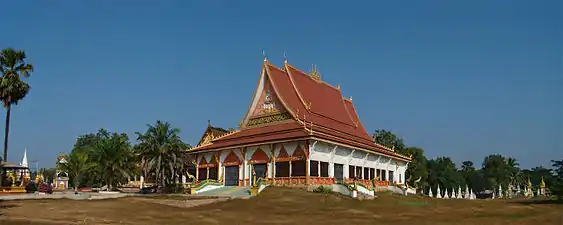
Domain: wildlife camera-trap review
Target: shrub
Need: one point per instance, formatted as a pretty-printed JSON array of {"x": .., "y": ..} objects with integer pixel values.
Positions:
[
  {"x": 31, "y": 187},
  {"x": 323, "y": 190}
]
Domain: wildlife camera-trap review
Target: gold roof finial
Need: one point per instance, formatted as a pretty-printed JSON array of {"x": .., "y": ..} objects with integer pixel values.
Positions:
[
  {"x": 209, "y": 123},
  {"x": 284, "y": 58},
  {"x": 350, "y": 98},
  {"x": 264, "y": 54},
  {"x": 393, "y": 148},
  {"x": 338, "y": 87},
  {"x": 314, "y": 73}
]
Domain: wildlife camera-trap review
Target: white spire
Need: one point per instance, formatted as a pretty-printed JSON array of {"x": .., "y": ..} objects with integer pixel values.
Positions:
[{"x": 24, "y": 160}]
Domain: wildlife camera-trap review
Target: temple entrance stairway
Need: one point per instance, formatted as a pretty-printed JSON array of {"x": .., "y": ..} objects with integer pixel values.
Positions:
[{"x": 227, "y": 191}]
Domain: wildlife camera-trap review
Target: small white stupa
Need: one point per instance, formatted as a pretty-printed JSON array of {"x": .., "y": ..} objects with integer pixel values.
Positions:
[
  {"x": 438, "y": 192},
  {"x": 472, "y": 195},
  {"x": 24, "y": 163},
  {"x": 459, "y": 192},
  {"x": 430, "y": 194},
  {"x": 499, "y": 191},
  {"x": 446, "y": 195},
  {"x": 467, "y": 194}
]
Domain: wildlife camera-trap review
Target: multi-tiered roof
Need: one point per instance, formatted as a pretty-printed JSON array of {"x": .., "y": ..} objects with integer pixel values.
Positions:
[{"x": 290, "y": 104}]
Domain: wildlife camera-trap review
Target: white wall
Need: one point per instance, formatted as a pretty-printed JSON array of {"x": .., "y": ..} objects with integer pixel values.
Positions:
[{"x": 325, "y": 152}]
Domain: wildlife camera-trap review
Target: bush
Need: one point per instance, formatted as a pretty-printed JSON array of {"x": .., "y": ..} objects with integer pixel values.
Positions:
[
  {"x": 31, "y": 187},
  {"x": 45, "y": 188},
  {"x": 322, "y": 190}
]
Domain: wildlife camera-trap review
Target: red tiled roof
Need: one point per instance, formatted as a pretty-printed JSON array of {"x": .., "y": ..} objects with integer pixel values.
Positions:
[{"x": 320, "y": 106}]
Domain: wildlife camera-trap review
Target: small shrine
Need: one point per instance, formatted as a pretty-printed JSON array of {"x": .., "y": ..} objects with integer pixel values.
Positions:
[
  {"x": 16, "y": 176},
  {"x": 61, "y": 179}
]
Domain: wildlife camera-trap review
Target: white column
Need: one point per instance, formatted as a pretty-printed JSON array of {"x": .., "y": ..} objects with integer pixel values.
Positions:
[
  {"x": 346, "y": 171},
  {"x": 330, "y": 169},
  {"x": 387, "y": 175},
  {"x": 274, "y": 169},
  {"x": 318, "y": 168}
]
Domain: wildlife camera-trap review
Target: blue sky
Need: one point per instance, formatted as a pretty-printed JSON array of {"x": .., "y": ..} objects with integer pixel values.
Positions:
[{"x": 458, "y": 78}]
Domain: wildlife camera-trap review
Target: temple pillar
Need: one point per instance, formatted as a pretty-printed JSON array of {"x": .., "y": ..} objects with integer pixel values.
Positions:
[
  {"x": 207, "y": 175},
  {"x": 289, "y": 168},
  {"x": 319, "y": 169},
  {"x": 307, "y": 168},
  {"x": 196, "y": 172},
  {"x": 330, "y": 169},
  {"x": 387, "y": 175}
]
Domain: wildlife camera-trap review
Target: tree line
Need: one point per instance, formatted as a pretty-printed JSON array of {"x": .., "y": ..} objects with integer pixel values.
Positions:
[
  {"x": 495, "y": 170},
  {"x": 109, "y": 159}
]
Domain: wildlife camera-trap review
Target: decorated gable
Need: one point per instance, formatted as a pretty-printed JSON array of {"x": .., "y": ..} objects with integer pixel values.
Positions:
[{"x": 268, "y": 107}]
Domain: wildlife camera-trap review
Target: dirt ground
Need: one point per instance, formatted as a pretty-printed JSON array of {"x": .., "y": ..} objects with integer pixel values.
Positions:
[{"x": 281, "y": 206}]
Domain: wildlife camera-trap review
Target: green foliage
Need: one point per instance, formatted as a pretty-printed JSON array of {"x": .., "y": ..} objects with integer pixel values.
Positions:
[
  {"x": 557, "y": 186},
  {"x": 388, "y": 139},
  {"x": 323, "y": 190},
  {"x": 77, "y": 164},
  {"x": 163, "y": 152}
]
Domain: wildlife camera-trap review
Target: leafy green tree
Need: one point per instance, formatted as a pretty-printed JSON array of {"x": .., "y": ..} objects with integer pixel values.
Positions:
[
  {"x": 388, "y": 139},
  {"x": 115, "y": 157},
  {"x": 417, "y": 168},
  {"x": 443, "y": 172},
  {"x": 162, "y": 151},
  {"x": 12, "y": 88},
  {"x": 77, "y": 164},
  {"x": 557, "y": 187}
]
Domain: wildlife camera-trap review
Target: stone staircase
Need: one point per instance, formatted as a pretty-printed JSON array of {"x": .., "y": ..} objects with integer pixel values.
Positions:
[{"x": 227, "y": 191}]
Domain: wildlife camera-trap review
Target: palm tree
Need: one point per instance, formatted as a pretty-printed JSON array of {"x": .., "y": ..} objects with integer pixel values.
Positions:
[
  {"x": 12, "y": 88},
  {"x": 115, "y": 158},
  {"x": 76, "y": 165},
  {"x": 163, "y": 150}
]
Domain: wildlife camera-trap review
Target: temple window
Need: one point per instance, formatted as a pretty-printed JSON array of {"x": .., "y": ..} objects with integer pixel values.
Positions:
[
  {"x": 366, "y": 173},
  {"x": 371, "y": 173},
  {"x": 359, "y": 172},
  {"x": 282, "y": 169},
  {"x": 213, "y": 173},
  {"x": 202, "y": 174},
  {"x": 391, "y": 176},
  {"x": 351, "y": 172},
  {"x": 378, "y": 174},
  {"x": 383, "y": 175},
  {"x": 298, "y": 168},
  {"x": 314, "y": 168},
  {"x": 324, "y": 169}
]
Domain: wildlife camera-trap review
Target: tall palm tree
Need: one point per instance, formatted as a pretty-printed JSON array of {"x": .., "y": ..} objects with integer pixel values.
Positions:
[
  {"x": 12, "y": 88},
  {"x": 163, "y": 150}
]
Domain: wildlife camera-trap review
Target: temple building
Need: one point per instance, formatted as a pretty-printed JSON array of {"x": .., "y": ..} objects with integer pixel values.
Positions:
[{"x": 298, "y": 130}]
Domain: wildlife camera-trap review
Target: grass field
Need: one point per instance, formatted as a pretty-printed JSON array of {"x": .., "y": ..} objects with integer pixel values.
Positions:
[{"x": 281, "y": 206}]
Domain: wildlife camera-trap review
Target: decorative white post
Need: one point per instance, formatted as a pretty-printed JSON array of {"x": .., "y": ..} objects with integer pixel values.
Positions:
[
  {"x": 499, "y": 191},
  {"x": 439, "y": 193},
  {"x": 430, "y": 194},
  {"x": 459, "y": 192},
  {"x": 446, "y": 195}
]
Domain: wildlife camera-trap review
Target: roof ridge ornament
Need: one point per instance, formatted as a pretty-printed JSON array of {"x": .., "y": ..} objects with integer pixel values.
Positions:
[
  {"x": 315, "y": 73},
  {"x": 285, "y": 58},
  {"x": 264, "y": 54}
]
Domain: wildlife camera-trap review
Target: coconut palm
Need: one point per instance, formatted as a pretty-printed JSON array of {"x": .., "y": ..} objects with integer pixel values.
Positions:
[
  {"x": 12, "y": 88},
  {"x": 76, "y": 165},
  {"x": 162, "y": 150}
]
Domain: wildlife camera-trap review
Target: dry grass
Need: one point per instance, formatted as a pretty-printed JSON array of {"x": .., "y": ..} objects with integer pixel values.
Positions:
[{"x": 281, "y": 206}]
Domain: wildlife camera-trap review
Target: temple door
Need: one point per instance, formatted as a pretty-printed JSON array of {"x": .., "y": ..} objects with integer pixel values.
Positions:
[
  {"x": 339, "y": 172},
  {"x": 259, "y": 161},
  {"x": 231, "y": 163}
]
